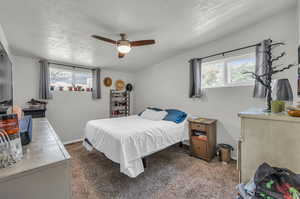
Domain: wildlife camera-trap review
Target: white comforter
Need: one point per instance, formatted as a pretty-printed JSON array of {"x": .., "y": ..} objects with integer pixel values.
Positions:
[{"x": 126, "y": 140}]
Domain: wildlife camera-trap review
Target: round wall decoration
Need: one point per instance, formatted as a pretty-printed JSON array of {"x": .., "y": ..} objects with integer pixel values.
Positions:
[
  {"x": 120, "y": 85},
  {"x": 129, "y": 87},
  {"x": 107, "y": 81}
]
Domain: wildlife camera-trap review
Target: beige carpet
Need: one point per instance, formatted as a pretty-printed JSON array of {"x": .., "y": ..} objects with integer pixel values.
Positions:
[{"x": 171, "y": 173}]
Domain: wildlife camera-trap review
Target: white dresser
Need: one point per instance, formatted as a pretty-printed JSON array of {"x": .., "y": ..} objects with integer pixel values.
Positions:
[
  {"x": 43, "y": 173},
  {"x": 270, "y": 138}
]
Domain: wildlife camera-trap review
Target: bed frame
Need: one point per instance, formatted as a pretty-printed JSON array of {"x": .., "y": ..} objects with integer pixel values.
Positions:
[{"x": 144, "y": 159}]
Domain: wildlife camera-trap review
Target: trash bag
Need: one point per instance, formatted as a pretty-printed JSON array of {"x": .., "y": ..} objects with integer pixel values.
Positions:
[{"x": 277, "y": 183}]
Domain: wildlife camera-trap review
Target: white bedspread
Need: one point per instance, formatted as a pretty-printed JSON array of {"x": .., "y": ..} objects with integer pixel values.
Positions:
[{"x": 126, "y": 140}]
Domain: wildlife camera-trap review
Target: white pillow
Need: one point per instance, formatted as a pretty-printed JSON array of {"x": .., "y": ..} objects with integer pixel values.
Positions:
[{"x": 154, "y": 115}]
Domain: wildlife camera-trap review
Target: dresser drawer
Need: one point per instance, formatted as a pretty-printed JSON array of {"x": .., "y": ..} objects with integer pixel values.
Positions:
[{"x": 199, "y": 127}]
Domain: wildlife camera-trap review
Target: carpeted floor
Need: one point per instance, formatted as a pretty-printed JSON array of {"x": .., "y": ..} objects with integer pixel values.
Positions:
[{"x": 171, "y": 173}]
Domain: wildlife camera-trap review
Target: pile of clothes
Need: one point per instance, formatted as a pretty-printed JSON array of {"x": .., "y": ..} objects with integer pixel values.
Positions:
[{"x": 271, "y": 183}]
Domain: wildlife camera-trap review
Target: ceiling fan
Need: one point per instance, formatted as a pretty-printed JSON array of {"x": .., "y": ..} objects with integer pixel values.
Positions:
[{"x": 123, "y": 45}]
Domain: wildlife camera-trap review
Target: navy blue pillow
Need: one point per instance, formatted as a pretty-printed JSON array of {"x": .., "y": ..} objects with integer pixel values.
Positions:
[
  {"x": 152, "y": 108},
  {"x": 175, "y": 115}
]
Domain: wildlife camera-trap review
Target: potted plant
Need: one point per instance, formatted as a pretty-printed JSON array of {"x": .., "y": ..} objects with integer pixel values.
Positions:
[
  {"x": 70, "y": 88},
  {"x": 78, "y": 88},
  {"x": 61, "y": 88},
  {"x": 88, "y": 89},
  {"x": 52, "y": 88}
]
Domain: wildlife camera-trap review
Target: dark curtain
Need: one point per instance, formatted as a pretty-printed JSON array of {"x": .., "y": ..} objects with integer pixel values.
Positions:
[
  {"x": 44, "y": 87},
  {"x": 96, "y": 94},
  {"x": 261, "y": 67},
  {"x": 195, "y": 78}
]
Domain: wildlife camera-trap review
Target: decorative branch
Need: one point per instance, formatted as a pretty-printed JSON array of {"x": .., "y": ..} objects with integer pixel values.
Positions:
[
  {"x": 278, "y": 57},
  {"x": 265, "y": 79},
  {"x": 274, "y": 67},
  {"x": 257, "y": 77},
  {"x": 277, "y": 44},
  {"x": 283, "y": 69}
]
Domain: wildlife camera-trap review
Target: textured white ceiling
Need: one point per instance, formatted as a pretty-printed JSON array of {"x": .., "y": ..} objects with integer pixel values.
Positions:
[{"x": 60, "y": 29}]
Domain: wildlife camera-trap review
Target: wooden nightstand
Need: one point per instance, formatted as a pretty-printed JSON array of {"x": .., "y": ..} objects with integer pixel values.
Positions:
[{"x": 203, "y": 137}]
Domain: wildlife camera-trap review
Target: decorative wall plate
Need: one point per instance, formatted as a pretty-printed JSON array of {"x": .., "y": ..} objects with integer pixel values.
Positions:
[
  {"x": 107, "y": 81},
  {"x": 120, "y": 85},
  {"x": 129, "y": 87}
]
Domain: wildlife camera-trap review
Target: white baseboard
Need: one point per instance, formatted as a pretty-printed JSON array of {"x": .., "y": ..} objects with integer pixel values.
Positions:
[{"x": 73, "y": 141}]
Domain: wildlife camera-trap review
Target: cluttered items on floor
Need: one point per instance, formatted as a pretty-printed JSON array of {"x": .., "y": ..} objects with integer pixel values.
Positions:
[{"x": 271, "y": 183}]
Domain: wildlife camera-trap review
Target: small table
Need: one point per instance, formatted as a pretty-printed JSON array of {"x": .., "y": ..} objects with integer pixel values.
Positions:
[
  {"x": 203, "y": 137},
  {"x": 35, "y": 112}
]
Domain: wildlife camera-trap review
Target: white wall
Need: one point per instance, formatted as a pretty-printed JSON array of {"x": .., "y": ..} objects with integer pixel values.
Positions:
[
  {"x": 4, "y": 42},
  {"x": 68, "y": 112},
  {"x": 298, "y": 24},
  {"x": 166, "y": 84}
]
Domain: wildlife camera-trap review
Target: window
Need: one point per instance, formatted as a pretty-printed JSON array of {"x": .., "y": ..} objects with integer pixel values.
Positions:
[
  {"x": 72, "y": 79},
  {"x": 228, "y": 72}
]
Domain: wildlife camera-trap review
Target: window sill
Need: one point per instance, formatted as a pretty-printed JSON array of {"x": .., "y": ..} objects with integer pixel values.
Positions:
[
  {"x": 71, "y": 91},
  {"x": 231, "y": 86}
]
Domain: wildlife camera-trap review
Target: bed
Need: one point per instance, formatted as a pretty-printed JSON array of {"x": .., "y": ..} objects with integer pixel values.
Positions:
[{"x": 128, "y": 140}]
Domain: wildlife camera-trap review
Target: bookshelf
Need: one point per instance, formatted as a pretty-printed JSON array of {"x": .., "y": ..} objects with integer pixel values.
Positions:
[{"x": 119, "y": 103}]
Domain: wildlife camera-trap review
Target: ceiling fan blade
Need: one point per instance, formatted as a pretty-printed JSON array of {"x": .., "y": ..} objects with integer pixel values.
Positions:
[
  {"x": 121, "y": 55},
  {"x": 104, "y": 39},
  {"x": 142, "y": 42}
]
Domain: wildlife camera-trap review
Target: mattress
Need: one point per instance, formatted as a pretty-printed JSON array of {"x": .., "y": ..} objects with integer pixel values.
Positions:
[{"x": 127, "y": 140}]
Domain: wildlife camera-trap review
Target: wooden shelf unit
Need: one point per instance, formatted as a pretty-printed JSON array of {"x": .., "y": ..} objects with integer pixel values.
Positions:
[
  {"x": 203, "y": 138},
  {"x": 119, "y": 103}
]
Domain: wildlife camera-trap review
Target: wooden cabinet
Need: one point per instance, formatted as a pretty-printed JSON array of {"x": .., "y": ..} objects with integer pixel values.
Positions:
[{"x": 203, "y": 138}]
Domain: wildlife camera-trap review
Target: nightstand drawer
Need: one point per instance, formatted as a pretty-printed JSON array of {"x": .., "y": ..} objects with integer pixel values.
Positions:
[
  {"x": 199, "y": 147},
  {"x": 199, "y": 127}
]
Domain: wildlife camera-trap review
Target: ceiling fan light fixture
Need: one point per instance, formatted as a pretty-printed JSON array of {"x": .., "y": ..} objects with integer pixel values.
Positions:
[{"x": 124, "y": 47}]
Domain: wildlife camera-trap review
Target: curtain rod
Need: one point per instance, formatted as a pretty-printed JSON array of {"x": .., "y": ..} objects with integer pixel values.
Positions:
[
  {"x": 70, "y": 65},
  {"x": 237, "y": 49}
]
